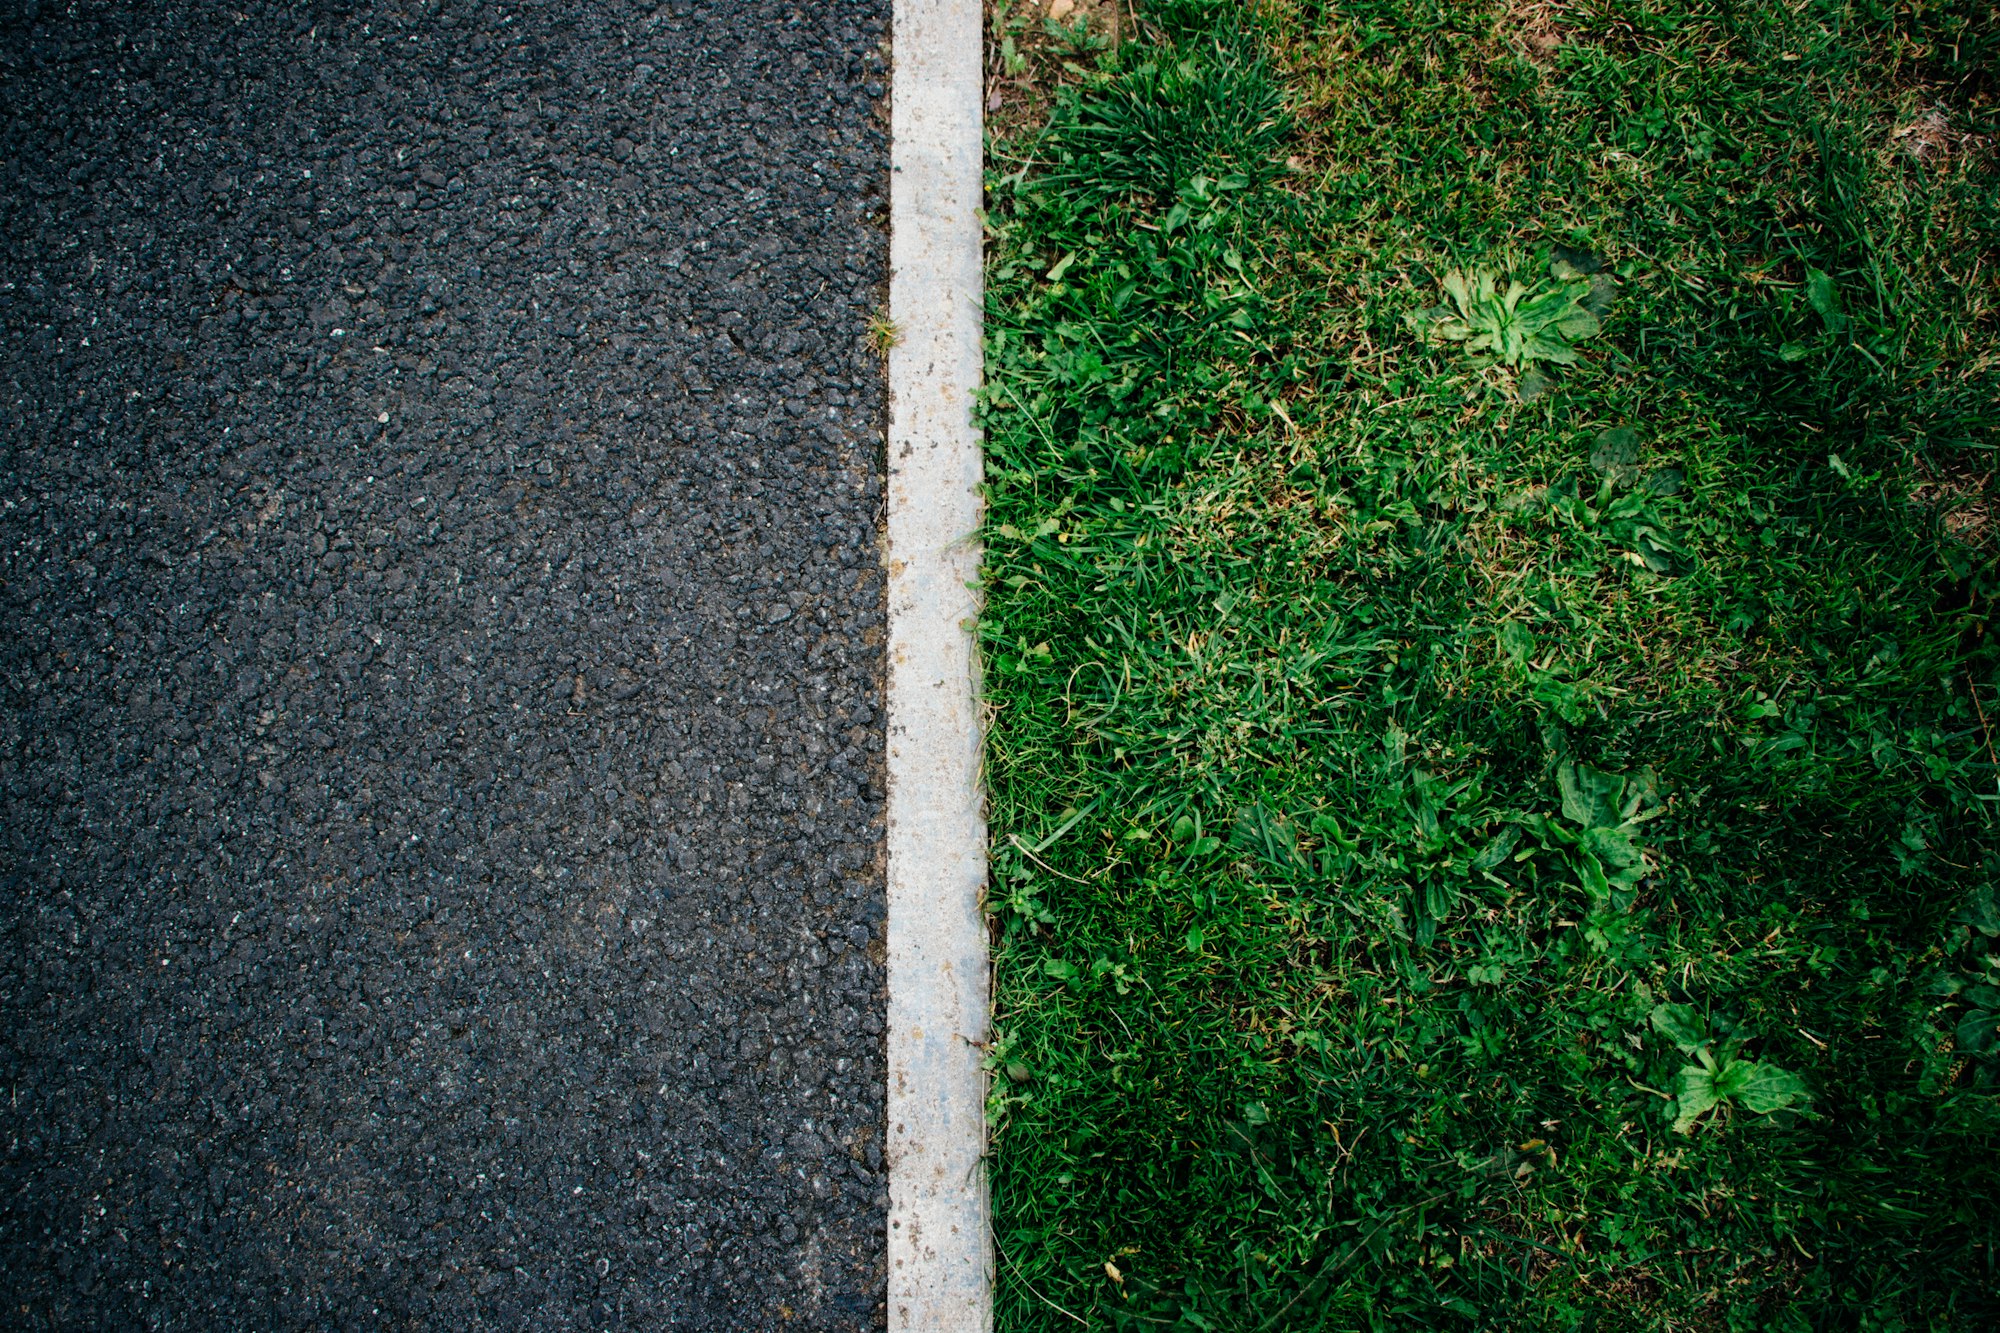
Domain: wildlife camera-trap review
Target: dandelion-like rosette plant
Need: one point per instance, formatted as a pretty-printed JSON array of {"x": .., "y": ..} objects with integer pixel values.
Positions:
[{"x": 1519, "y": 325}]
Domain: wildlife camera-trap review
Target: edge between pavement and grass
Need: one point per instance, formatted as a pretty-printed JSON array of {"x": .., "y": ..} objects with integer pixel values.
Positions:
[{"x": 939, "y": 1246}]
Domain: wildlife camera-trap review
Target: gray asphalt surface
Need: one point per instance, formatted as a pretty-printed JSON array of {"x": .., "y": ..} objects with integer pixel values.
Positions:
[{"x": 440, "y": 740}]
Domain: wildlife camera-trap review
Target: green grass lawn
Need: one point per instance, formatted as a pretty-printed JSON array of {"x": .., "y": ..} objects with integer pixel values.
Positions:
[{"x": 1466, "y": 862}]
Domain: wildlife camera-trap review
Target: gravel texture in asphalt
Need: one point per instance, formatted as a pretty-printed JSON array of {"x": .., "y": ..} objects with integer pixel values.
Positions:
[{"x": 440, "y": 733}]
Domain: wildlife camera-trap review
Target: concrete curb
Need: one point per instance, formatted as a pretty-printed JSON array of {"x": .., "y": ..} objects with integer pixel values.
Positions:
[{"x": 940, "y": 1236}]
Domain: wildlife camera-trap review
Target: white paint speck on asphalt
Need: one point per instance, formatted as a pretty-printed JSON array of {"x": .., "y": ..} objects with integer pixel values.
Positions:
[{"x": 940, "y": 1242}]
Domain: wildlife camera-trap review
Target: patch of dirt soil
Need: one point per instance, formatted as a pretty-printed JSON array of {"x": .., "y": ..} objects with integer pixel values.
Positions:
[
  {"x": 1026, "y": 62},
  {"x": 1965, "y": 501},
  {"x": 1535, "y": 30},
  {"x": 1932, "y": 139}
]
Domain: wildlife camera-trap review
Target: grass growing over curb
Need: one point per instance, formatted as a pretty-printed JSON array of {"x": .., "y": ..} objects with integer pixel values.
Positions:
[{"x": 1470, "y": 862}]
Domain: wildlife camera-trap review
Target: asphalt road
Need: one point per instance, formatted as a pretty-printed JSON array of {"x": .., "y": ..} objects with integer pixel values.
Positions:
[{"x": 440, "y": 737}]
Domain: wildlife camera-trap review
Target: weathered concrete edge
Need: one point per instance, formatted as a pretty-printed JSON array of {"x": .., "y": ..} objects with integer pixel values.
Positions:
[{"x": 940, "y": 1233}]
